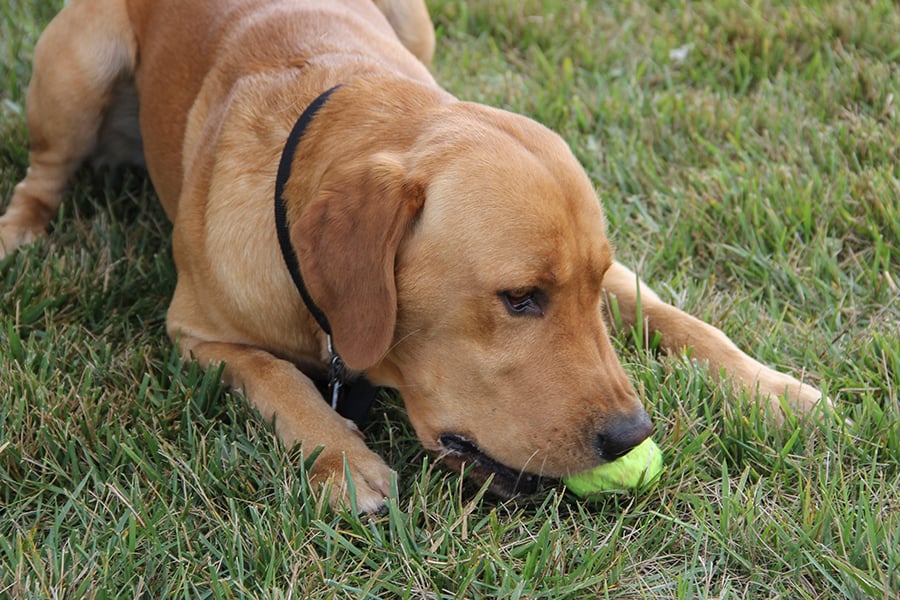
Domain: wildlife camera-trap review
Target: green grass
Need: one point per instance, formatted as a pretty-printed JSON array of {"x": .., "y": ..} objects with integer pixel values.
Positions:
[{"x": 747, "y": 157}]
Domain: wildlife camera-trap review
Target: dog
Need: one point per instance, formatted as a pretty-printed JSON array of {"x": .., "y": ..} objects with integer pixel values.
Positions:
[{"x": 338, "y": 215}]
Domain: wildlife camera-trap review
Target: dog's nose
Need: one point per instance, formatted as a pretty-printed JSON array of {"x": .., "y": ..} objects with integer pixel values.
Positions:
[{"x": 623, "y": 433}]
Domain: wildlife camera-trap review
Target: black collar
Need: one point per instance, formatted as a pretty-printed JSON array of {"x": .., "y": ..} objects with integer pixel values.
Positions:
[{"x": 353, "y": 403}]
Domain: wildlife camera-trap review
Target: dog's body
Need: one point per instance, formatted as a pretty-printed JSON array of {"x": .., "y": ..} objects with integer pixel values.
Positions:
[{"x": 458, "y": 251}]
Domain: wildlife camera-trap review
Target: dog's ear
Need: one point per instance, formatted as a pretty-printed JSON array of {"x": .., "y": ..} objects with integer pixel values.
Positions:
[{"x": 346, "y": 242}]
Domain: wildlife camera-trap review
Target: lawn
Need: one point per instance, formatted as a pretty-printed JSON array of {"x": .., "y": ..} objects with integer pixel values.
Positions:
[{"x": 747, "y": 157}]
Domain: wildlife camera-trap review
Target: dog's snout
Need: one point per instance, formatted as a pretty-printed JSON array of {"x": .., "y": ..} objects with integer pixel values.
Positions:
[{"x": 622, "y": 434}]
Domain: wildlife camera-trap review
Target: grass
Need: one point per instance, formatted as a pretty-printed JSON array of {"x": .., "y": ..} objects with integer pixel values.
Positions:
[{"x": 747, "y": 157}]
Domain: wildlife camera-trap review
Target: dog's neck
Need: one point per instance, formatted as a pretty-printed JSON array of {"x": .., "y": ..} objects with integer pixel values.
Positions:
[
  {"x": 281, "y": 225},
  {"x": 351, "y": 401}
]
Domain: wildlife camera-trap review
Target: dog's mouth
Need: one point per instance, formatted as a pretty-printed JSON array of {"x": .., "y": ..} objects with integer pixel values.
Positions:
[{"x": 461, "y": 453}]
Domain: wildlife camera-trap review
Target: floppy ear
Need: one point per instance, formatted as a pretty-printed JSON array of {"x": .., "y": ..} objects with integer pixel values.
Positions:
[{"x": 346, "y": 242}]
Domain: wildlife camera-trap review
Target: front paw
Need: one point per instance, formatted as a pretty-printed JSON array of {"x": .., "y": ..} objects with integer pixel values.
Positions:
[
  {"x": 802, "y": 398},
  {"x": 370, "y": 478},
  {"x": 13, "y": 235}
]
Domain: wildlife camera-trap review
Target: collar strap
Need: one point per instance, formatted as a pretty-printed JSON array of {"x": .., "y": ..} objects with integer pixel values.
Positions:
[
  {"x": 284, "y": 236},
  {"x": 350, "y": 401}
]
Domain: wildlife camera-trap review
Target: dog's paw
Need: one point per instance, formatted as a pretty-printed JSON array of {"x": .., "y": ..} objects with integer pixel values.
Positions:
[
  {"x": 13, "y": 235},
  {"x": 802, "y": 398},
  {"x": 371, "y": 478}
]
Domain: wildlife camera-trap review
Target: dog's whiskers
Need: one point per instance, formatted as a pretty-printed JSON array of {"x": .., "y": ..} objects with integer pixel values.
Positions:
[
  {"x": 403, "y": 339},
  {"x": 524, "y": 473}
]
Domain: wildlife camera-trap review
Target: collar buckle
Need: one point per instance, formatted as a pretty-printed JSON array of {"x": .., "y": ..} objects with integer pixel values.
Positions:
[{"x": 337, "y": 374}]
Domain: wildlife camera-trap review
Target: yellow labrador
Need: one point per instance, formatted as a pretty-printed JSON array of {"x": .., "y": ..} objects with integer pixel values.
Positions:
[{"x": 320, "y": 182}]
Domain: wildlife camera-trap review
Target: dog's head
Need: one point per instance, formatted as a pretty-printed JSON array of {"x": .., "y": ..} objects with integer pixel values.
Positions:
[{"x": 466, "y": 271}]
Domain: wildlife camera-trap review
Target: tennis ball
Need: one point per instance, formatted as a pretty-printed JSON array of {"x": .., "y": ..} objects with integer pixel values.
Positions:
[{"x": 640, "y": 466}]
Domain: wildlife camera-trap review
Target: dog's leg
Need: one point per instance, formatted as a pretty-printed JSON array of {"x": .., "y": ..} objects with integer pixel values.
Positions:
[
  {"x": 84, "y": 51},
  {"x": 680, "y": 331},
  {"x": 283, "y": 395},
  {"x": 412, "y": 24}
]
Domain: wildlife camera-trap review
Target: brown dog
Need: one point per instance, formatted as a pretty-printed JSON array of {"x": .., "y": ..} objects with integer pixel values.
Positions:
[{"x": 457, "y": 253}]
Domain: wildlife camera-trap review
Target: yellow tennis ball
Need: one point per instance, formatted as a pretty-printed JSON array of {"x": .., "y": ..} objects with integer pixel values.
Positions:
[{"x": 641, "y": 465}]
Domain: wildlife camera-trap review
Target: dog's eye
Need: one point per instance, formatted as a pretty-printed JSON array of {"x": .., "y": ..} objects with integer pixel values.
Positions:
[{"x": 524, "y": 303}]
